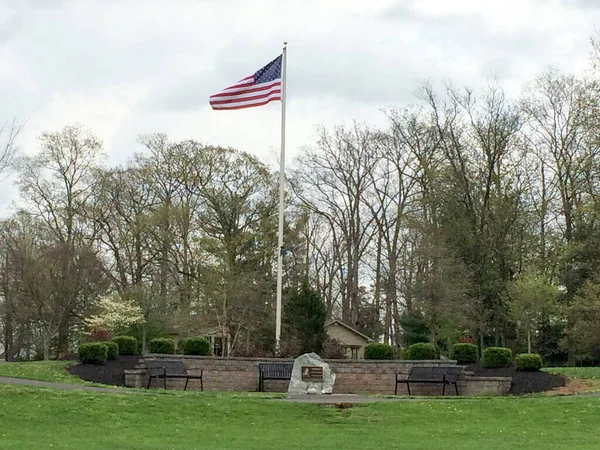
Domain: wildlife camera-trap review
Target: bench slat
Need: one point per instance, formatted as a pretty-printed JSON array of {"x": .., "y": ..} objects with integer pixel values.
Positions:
[
  {"x": 273, "y": 371},
  {"x": 171, "y": 369},
  {"x": 439, "y": 375}
]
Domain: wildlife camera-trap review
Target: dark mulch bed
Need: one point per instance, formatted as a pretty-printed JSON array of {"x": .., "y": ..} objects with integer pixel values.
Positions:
[
  {"x": 522, "y": 382},
  {"x": 112, "y": 372}
]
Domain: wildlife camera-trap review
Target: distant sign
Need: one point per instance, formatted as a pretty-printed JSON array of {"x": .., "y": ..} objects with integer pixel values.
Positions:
[{"x": 312, "y": 373}]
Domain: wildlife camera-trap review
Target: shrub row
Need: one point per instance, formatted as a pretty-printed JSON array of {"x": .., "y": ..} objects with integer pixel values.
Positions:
[
  {"x": 494, "y": 357},
  {"x": 190, "y": 346},
  {"x": 99, "y": 352},
  {"x": 417, "y": 351}
]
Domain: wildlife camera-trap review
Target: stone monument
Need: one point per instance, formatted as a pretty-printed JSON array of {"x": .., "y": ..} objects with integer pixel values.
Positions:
[{"x": 310, "y": 375}]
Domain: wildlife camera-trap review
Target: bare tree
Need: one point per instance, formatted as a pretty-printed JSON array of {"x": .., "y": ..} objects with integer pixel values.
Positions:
[
  {"x": 558, "y": 111},
  {"x": 332, "y": 181},
  {"x": 57, "y": 184},
  {"x": 9, "y": 132}
]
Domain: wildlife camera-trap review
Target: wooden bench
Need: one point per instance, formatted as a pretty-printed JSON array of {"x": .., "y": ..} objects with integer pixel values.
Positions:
[
  {"x": 273, "y": 371},
  {"x": 171, "y": 369},
  {"x": 431, "y": 375}
]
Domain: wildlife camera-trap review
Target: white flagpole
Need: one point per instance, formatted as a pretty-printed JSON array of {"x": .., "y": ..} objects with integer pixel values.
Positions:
[{"x": 281, "y": 200}]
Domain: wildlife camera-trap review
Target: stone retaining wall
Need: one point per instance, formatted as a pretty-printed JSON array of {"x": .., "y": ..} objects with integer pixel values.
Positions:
[{"x": 352, "y": 376}]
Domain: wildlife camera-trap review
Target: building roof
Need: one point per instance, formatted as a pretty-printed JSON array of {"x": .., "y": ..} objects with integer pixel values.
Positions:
[{"x": 348, "y": 327}]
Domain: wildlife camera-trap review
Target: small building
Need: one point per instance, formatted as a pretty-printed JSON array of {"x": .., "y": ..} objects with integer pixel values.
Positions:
[{"x": 353, "y": 341}]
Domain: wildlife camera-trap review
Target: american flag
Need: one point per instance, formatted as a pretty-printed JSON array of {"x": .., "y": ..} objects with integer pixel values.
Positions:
[{"x": 262, "y": 87}]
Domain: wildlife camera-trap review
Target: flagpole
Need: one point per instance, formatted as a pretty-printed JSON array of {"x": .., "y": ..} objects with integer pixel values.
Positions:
[{"x": 281, "y": 205}]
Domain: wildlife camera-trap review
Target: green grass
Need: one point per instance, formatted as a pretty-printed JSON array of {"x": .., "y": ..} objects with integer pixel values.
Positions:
[
  {"x": 41, "y": 370},
  {"x": 40, "y": 418},
  {"x": 576, "y": 372}
]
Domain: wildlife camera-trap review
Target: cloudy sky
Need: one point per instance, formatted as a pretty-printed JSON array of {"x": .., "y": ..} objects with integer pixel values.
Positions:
[{"x": 130, "y": 67}]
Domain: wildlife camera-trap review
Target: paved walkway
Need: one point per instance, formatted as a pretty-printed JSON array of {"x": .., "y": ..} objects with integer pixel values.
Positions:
[
  {"x": 64, "y": 386},
  {"x": 336, "y": 399},
  {"x": 333, "y": 399},
  {"x": 589, "y": 394}
]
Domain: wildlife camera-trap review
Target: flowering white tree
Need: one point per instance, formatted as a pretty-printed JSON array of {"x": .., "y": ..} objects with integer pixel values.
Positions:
[{"x": 116, "y": 313}]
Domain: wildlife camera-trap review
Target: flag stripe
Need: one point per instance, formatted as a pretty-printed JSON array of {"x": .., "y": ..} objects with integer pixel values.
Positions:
[
  {"x": 257, "y": 98},
  {"x": 242, "y": 105},
  {"x": 253, "y": 88},
  {"x": 246, "y": 95}
]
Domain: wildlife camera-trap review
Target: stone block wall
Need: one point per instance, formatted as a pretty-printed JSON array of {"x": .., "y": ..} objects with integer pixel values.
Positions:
[{"x": 352, "y": 376}]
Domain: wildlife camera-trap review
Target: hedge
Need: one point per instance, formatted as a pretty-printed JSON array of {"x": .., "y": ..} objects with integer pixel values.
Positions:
[
  {"x": 497, "y": 357},
  {"x": 127, "y": 345},
  {"x": 196, "y": 346},
  {"x": 162, "y": 345},
  {"x": 112, "y": 350},
  {"x": 93, "y": 353},
  {"x": 528, "y": 362},
  {"x": 465, "y": 353},
  {"x": 379, "y": 351},
  {"x": 405, "y": 353},
  {"x": 422, "y": 350}
]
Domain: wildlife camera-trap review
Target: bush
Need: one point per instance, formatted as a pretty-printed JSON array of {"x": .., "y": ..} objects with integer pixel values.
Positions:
[
  {"x": 405, "y": 353},
  {"x": 93, "y": 353},
  {"x": 379, "y": 351},
  {"x": 528, "y": 362},
  {"x": 497, "y": 357},
  {"x": 422, "y": 350},
  {"x": 162, "y": 345},
  {"x": 465, "y": 353},
  {"x": 127, "y": 344},
  {"x": 196, "y": 346},
  {"x": 112, "y": 350}
]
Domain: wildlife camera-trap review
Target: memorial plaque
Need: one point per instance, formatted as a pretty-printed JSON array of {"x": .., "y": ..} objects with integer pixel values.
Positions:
[{"x": 312, "y": 373}]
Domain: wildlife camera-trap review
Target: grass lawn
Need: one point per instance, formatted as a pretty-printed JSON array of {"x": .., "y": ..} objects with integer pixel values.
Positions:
[
  {"x": 41, "y": 370},
  {"x": 576, "y": 372},
  {"x": 40, "y": 418}
]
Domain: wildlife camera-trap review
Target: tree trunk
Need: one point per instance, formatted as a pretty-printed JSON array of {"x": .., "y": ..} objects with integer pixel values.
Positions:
[
  {"x": 481, "y": 342},
  {"x": 144, "y": 336},
  {"x": 46, "y": 345},
  {"x": 378, "y": 291},
  {"x": 63, "y": 339},
  {"x": 8, "y": 336}
]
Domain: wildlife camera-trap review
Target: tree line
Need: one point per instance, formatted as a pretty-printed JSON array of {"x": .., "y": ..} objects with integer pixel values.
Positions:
[{"x": 471, "y": 216}]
